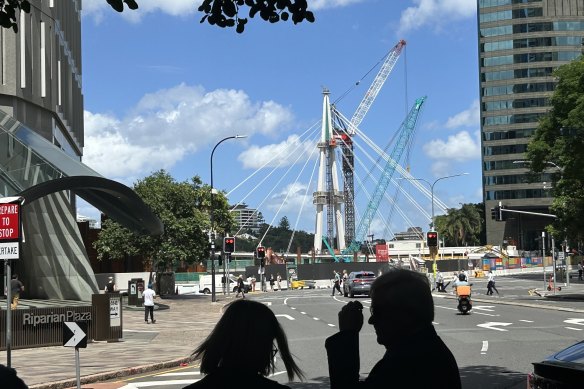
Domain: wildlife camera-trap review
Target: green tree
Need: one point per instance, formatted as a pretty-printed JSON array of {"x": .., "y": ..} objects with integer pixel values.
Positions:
[
  {"x": 284, "y": 223},
  {"x": 557, "y": 147},
  {"x": 221, "y": 13},
  {"x": 183, "y": 208},
  {"x": 462, "y": 226}
]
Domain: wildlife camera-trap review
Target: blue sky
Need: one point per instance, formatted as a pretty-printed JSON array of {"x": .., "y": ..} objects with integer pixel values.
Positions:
[{"x": 161, "y": 90}]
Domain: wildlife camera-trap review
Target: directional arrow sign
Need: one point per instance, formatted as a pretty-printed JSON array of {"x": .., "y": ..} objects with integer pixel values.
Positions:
[
  {"x": 75, "y": 334},
  {"x": 575, "y": 321},
  {"x": 492, "y": 325}
]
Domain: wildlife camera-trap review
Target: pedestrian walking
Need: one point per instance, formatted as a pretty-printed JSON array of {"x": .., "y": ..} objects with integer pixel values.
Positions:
[
  {"x": 491, "y": 283},
  {"x": 240, "y": 287},
  {"x": 279, "y": 281},
  {"x": 241, "y": 349},
  {"x": 149, "y": 304},
  {"x": 336, "y": 283},
  {"x": 580, "y": 269},
  {"x": 439, "y": 282},
  {"x": 345, "y": 277},
  {"x": 272, "y": 282},
  {"x": 110, "y": 287},
  {"x": 16, "y": 288}
]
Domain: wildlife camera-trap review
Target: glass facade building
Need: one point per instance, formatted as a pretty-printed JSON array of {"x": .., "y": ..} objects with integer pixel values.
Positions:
[{"x": 521, "y": 42}]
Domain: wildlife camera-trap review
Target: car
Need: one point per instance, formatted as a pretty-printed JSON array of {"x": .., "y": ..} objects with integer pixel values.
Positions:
[
  {"x": 564, "y": 369},
  {"x": 358, "y": 282}
]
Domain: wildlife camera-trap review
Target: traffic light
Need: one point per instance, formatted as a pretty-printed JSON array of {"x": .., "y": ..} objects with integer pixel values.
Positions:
[
  {"x": 495, "y": 213},
  {"x": 261, "y": 252},
  {"x": 432, "y": 239},
  {"x": 229, "y": 245}
]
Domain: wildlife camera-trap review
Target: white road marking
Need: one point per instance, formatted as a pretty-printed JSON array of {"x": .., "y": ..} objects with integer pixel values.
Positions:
[
  {"x": 487, "y": 308},
  {"x": 286, "y": 316},
  {"x": 137, "y": 385},
  {"x": 316, "y": 318},
  {"x": 179, "y": 373},
  {"x": 527, "y": 321},
  {"x": 572, "y": 328},
  {"x": 268, "y": 303},
  {"x": 485, "y": 347},
  {"x": 304, "y": 313},
  {"x": 475, "y": 313},
  {"x": 277, "y": 373},
  {"x": 579, "y": 322},
  {"x": 492, "y": 325},
  {"x": 292, "y": 308},
  {"x": 331, "y": 325},
  {"x": 286, "y": 301}
]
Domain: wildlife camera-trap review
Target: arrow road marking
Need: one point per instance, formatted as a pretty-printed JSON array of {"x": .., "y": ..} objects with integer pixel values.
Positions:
[
  {"x": 572, "y": 328},
  {"x": 579, "y": 322},
  {"x": 286, "y": 316},
  {"x": 492, "y": 325},
  {"x": 484, "y": 308},
  {"x": 78, "y": 334}
]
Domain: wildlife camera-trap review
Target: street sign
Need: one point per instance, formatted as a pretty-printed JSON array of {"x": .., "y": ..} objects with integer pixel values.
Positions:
[
  {"x": 115, "y": 312},
  {"x": 9, "y": 230},
  {"x": 75, "y": 334}
]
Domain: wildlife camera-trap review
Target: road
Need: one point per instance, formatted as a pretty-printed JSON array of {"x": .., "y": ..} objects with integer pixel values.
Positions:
[{"x": 494, "y": 346}]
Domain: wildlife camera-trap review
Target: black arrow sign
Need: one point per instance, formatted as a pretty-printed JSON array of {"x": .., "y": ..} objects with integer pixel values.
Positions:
[{"x": 75, "y": 334}]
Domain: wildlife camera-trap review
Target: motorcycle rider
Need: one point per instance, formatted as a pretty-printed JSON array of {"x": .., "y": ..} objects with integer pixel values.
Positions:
[{"x": 462, "y": 290}]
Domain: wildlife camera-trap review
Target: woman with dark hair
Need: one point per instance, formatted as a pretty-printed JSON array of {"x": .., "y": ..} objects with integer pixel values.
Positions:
[{"x": 242, "y": 349}]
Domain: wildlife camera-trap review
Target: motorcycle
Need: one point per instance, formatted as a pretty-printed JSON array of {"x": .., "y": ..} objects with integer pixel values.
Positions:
[{"x": 464, "y": 302}]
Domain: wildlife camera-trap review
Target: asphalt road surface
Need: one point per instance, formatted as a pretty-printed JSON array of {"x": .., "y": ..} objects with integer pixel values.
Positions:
[{"x": 494, "y": 346}]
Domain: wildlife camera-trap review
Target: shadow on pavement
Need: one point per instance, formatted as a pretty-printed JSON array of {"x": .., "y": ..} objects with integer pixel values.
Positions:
[{"x": 491, "y": 377}]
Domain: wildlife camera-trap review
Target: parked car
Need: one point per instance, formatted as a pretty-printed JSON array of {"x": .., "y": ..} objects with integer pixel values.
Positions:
[
  {"x": 564, "y": 369},
  {"x": 358, "y": 282}
]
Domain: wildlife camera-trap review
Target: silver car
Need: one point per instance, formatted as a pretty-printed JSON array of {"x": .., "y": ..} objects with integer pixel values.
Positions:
[{"x": 358, "y": 282}]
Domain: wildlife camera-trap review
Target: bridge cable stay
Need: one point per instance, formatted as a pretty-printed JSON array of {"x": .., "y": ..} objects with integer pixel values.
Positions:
[
  {"x": 406, "y": 174},
  {"x": 391, "y": 201},
  {"x": 406, "y": 129},
  {"x": 399, "y": 187},
  {"x": 288, "y": 193},
  {"x": 387, "y": 158},
  {"x": 299, "y": 156},
  {"x": 311, "y": 130},
  {"x": 308, "y": 186}
]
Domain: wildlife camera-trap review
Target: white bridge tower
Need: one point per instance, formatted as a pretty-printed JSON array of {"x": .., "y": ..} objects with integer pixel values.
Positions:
[{"x": 327, "y": 192}]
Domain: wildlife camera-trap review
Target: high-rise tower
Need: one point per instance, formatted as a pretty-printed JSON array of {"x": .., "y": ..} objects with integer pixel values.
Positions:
[
  {"x": 327, "y": 192},
  {"x": 521, "y": 42}
]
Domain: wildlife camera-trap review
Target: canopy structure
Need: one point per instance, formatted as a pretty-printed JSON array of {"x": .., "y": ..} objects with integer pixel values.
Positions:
[{"x": 54, "y": 262}]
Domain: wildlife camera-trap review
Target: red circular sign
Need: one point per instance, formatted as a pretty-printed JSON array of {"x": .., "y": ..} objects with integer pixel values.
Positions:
[{"x": 9, "y": 221}]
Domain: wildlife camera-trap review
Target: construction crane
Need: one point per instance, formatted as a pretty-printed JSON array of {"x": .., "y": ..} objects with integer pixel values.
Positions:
[
  {"x": 404, "y": 133},
  {"x": 346, "y": 134}
]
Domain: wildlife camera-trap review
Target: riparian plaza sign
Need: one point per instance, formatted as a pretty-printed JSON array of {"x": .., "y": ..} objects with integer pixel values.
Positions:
[{"x": 9, "y": 230}]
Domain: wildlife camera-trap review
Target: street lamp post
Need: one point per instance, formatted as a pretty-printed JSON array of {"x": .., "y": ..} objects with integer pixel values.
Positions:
[
  {"x": 212, "y": 219},
  {"x": 432, "y": 200}
]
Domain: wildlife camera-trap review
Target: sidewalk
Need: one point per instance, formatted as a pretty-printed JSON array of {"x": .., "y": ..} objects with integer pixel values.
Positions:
[{"x": 182, "y": 322}]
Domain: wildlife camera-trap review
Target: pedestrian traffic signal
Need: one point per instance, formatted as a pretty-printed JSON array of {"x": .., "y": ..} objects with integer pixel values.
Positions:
[
  {"x": 432, "y": 239},
  {"x": 229, "y": 245},
  {"x": 495, "y": 213},
  {"x": 261, "y": 252}
]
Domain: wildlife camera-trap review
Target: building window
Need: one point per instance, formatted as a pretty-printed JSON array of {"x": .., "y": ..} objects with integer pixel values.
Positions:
[
  {"x": 505, "y": 149},
  {"x": 511, "y": 134},
  {"x": 517, "y": 194}
]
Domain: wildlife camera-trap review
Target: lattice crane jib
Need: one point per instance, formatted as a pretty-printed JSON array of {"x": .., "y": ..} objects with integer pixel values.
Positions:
[
  {"x": 404, "y": 133},
  {"x": 347, "y": 144}
]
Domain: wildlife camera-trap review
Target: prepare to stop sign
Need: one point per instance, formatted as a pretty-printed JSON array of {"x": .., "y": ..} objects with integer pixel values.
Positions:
[{"x": 9, "y": 221}]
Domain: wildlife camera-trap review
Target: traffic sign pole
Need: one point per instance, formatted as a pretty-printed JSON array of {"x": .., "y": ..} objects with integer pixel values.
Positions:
[
  {"x": 10, "y": 241},
  {"x": 77, "y": 368}
]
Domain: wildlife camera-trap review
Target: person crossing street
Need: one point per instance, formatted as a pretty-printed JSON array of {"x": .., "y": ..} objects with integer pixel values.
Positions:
[{"x": 337, "y": 283}]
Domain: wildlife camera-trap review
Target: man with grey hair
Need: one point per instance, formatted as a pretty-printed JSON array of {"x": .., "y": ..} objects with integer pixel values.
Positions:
[{"x": 402, "y": 311}]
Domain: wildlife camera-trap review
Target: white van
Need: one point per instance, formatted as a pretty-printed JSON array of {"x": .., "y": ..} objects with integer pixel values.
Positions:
[{"x": 205, "y": 283}]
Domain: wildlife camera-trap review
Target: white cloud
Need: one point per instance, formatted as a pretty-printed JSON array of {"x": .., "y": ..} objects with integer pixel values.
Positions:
[
  {"x": 322, "y": 4},
  {"x": 288, "y": 202},
  {"x": 470, "y": 117},
  {"x": 435, "y": 13},
  {"x": 457, "y": 148},
  {"x": 281, "y": 154},
  {"x": 97, "y": 9},
  {"x": 167, "y": 125}
]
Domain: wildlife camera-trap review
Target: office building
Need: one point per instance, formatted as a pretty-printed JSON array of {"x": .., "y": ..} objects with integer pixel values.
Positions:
[
  {"x": 521, "y": 42},
  {"x": 247, "y": 218}
]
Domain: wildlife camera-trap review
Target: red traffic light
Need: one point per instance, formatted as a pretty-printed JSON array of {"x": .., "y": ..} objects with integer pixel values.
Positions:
[
  {"x": 432, "y": 239},
  {"x": 261, "y": 252},
  {"x": 229, "y": 245}
]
